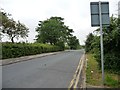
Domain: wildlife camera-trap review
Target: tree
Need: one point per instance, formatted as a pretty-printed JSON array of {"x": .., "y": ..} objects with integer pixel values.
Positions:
[
  {"x": 47, "y": 32},
  {"x": 12, "y": 28},
  {"x": 53, "y": 31},
  {"x": 73, "y": 42},
  {"x": 88, "y": 43}
]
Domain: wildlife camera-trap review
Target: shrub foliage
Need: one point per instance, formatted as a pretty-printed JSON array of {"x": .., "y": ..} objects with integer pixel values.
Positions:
[
  {"x": 13, "y": 50},
  {"x": 111, "y": 39}
]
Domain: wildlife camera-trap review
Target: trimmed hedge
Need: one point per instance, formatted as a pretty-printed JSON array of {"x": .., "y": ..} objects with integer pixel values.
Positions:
[{"x": 13, "y": 50}]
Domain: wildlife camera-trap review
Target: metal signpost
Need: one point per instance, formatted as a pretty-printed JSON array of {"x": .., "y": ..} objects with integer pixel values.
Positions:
[{"x": 100, "y": 17}]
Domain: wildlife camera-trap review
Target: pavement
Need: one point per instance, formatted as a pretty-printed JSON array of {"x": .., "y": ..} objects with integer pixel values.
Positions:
[{"x": 53, "y": 70}]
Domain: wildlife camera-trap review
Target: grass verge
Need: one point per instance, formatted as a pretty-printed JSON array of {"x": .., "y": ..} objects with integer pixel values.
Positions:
[{"x": 93, "y": 74}]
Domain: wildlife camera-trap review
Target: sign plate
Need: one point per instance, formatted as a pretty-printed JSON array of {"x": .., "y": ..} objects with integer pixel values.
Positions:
[{"x": 95, "y": 20}]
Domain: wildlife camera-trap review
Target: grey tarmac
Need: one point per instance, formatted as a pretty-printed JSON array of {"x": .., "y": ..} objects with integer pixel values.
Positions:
[{"x": 53, "y": 71}]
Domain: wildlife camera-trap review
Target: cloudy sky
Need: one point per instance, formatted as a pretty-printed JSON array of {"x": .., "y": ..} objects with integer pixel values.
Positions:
[{"x": 75, "y": 12}]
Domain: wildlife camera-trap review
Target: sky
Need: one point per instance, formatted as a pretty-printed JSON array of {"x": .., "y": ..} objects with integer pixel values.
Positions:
[{"x": 76, "y": 14}]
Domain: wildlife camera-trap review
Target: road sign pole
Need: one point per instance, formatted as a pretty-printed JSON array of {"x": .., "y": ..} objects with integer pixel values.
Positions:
[{"x": 101, "y": 42}]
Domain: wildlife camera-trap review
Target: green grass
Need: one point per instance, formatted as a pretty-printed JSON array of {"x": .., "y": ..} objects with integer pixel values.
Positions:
[
  {"x": 95, "y": 77},
  {"x": 111, "y": 80}
]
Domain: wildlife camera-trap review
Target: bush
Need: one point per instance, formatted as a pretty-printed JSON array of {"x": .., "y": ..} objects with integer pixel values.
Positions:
[
  {"x": 112, "y": 61},
  {"x": 61, "y": 45},
  {"x": 111, "y": 43},
  {"x": 10, "y": 50}
]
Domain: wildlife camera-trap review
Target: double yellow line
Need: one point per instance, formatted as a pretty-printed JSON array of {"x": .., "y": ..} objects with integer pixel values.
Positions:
[{"x": 76, "y": 76}]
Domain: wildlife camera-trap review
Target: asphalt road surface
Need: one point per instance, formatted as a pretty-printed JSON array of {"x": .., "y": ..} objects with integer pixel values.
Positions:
[{"x": 54, "y": 71}]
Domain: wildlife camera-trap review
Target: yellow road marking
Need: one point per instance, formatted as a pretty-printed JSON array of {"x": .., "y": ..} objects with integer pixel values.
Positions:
[
  {"x": 78, "y": 76},
  {"x": 75, "y": 79}
]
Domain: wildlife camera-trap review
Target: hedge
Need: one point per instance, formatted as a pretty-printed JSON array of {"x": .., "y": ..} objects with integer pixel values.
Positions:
[{"x": 13, "y": 50}]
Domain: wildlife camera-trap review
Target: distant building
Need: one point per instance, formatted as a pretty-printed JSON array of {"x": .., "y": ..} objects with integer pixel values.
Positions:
[{"x": 119, "y": 9}]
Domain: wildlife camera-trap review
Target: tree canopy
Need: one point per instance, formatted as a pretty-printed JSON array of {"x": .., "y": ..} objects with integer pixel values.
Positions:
[
  {"x": 54, "y": 31},
  {"x": 11, "y": 28}
]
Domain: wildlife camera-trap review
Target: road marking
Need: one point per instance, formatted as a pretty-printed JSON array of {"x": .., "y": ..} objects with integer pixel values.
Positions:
[
  {"x": 75, "y": 80},
  {"x": 74, "y": 76},
  {"x": 78, "y": 76}
]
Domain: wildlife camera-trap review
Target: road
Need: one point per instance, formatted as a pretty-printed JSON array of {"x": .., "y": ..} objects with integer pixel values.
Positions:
[{"x": 54, "y": 71}]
